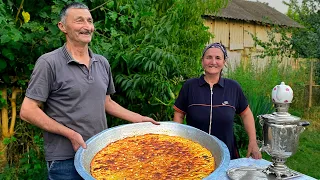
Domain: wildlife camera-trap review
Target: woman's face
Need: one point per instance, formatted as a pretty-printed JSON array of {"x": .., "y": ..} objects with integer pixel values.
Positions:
[{"x": 213, "y": 61}]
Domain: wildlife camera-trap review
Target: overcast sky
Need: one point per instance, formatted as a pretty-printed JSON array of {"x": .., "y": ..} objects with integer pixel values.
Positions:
[{"x": 277, "y": 4}]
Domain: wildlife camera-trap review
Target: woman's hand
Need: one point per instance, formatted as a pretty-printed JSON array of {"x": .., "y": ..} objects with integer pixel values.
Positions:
[{"x": 253, "y": 150}]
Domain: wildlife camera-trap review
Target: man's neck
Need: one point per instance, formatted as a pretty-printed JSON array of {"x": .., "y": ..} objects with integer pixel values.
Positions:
[{"x": 79, "y": 52}]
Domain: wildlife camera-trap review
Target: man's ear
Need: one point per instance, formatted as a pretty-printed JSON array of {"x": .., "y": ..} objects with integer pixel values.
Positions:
[{"x": 62, "y": 27}]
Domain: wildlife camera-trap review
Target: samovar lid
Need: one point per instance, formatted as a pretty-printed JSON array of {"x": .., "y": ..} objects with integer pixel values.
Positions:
[{"x": 281, "y": 118}]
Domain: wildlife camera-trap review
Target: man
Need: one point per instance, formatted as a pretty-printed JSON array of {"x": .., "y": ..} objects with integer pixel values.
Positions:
[{"x": 74, "y": 85}]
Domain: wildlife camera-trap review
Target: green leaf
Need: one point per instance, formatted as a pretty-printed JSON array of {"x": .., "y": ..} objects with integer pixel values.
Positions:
[
  {"x": 113, "y": 15},
  {"x": 3, "y": 64},
  {"x": 7, "y": 141},
  {"x": 114, "y": 33},
  {"x": 54, "y": 29},
  {"x": 22, "y": 82},
  {"x": 30, "y": 66},
  {"x": 26, "y": 166},
  {"x": 29, "y": 37},
  {"x": 8, "y": 53},
  {"x": 5, "y": 38},
  {"x": 43, "y": 15},
  {"x": 123, "y": 20},
  {"x": 124, "y": 7},
  {"x": 13, "y": 139},
  {"x": 110, "y": 4},
  {"x": 6, "y": 78},
  {"x": 37, "y": 166},
  {"x": 15, "y": 34},
  {"x": 135, "y": 22},
  {"x": 2, "y": 20}
]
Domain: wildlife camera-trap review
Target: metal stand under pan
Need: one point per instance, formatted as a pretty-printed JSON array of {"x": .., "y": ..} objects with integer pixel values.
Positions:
[{"x": 254, "y": 173}]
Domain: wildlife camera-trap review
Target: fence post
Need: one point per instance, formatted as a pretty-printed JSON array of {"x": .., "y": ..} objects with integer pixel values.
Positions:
[{"x": 310, "y": 84}]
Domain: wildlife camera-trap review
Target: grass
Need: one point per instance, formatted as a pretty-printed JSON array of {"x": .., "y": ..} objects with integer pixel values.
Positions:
[{"x": 307, "y": 158}]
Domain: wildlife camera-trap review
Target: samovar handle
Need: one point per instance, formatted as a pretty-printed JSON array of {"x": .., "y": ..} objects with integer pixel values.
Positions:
[
  {"x": 260, "y": 120},
  {"x": 261, "y": 143},
  {"x": 301, "y": 126},
  {"x": 303, "y": 123}
]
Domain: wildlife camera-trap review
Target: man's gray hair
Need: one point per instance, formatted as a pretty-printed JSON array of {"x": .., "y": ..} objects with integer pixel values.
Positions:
[{"x": 75, "y": 5}]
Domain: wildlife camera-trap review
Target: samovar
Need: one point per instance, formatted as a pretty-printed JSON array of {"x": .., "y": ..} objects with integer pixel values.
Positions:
[{"x": 281, "y": 132}]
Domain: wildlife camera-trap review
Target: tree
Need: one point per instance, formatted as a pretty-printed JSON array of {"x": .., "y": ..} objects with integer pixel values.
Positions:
[
  {"x": 306, "y": 40},
  {"x": 152, "y": 46}
]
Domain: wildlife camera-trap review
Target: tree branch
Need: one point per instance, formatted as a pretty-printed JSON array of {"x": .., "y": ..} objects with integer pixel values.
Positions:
[
  {"x": 99, "y": 6},
  {"x": 21, "y": 6}
]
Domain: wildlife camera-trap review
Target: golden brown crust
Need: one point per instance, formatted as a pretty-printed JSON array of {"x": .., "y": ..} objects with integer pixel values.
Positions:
[{"x": 152, "y": 156}]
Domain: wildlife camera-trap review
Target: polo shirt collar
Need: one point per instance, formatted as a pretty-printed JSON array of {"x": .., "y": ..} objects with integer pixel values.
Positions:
[
  {"x": 203, "y": 82},
  {"x": 69, "y": 56}
]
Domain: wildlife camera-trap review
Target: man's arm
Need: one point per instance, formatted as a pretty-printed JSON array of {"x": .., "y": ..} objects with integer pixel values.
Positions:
[
  {"x": 116, "y": 110},
  {"x": 249, "y": 125},
  {"x": 30, "y": 111}
]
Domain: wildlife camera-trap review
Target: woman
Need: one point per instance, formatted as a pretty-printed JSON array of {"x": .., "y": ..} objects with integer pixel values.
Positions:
[{"x": 211, "y": 101}]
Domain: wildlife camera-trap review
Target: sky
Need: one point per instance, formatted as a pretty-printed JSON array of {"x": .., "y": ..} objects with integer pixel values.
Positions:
[{"x": 277, "y": 4}]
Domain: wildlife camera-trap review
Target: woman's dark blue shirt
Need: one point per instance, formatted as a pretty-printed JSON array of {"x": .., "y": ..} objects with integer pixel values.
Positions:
[{"x": 228, "y": 99}]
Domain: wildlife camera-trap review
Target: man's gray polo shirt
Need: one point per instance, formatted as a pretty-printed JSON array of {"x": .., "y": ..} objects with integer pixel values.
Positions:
[{"x": 73, "y": 95}]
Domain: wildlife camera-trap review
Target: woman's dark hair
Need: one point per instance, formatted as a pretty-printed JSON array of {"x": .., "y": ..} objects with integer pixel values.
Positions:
[{"x": 216, "y": 45}]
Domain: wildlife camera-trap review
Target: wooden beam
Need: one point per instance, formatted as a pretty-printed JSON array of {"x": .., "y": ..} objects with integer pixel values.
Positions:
[{"x": 310, "y": 84}]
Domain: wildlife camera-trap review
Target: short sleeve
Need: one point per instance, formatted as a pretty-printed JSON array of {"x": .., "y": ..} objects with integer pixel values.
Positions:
[
  {"x": 41, "y": 79},
  {"x": 106, "y": 65},
  {"x": 181, "y": 103},
  {"x": 242, "y": 101},
  {"x": 111, "y": 88}
]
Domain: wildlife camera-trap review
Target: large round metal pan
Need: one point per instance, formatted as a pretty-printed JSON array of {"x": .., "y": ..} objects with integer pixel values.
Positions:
[{"x": 218, "y": 149}]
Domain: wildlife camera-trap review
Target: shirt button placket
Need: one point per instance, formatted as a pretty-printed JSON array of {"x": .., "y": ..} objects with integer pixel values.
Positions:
[{"x": 90, "y": 77}]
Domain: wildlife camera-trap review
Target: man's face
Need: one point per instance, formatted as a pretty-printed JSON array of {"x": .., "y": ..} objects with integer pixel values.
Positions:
[{"x": 78, "y": 26}]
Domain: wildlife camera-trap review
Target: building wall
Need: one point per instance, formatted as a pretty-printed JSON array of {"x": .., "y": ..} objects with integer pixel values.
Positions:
[{"x": 237, "y": 37}]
